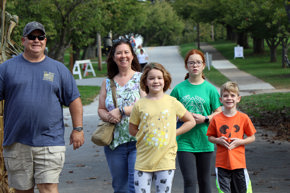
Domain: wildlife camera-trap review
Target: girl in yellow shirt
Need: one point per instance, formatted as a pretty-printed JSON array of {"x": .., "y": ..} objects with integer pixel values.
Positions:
[{"x": 153, "y": 122}]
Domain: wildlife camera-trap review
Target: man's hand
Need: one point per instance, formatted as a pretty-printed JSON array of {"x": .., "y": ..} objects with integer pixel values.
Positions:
[{"x": 77, "y": 139}]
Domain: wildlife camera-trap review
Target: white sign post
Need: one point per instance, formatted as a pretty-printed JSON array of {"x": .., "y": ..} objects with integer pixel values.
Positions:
[
  {"x": 239, "y": 52},
  {"x": 88, "y": 67},
  {"x": 208, "y": 60}
]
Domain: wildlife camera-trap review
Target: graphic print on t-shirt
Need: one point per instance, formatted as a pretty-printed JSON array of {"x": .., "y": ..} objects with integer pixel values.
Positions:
[
  {"x": 49, "y": 76},
  {"x": 193, "y": 104},
  {"x": 156, "y": 129},
  {"x": 224, "y": 129}
]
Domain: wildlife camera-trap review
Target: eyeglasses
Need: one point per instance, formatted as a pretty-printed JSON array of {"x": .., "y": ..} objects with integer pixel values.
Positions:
[
  {"x": 33, "y": 37},
  {"x": 192, "y": 63}
]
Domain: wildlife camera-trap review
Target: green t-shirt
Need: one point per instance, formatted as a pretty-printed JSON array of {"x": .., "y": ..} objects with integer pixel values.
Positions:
[
  {"x": 156, "y": 138},
  {"x": 200, "y": 99}
]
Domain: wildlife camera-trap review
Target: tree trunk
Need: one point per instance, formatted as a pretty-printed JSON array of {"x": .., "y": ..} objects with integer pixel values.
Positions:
[
  {"x": 273, "y": 43},
  {"x": 231, "y": 35},
  {"x": 71, "y": 61},
  {"x": 243, "y": 39},
  {"x": 273, "y": 54},
  {"x": 90, "y": 52},
  {"x": 258, "y": 45},
  {"x": 198, "y": 36},
  {"x": 212, "y": 32},
  {"x": 76, "y": 52},
  {"x": 229, "y": 32},
  {"x": 284, "y": 42},
  {"x": 84, "y": 53},
  {"x": 57, "y": 51}
]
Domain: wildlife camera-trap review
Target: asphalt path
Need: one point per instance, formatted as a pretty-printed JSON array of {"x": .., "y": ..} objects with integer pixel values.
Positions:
[
  {"x": 170, "y": 58},
  {"x": 86, "y": 170}
]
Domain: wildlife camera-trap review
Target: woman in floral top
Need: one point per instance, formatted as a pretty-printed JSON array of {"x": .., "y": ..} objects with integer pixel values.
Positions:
[{"x": 124, "y": 69}]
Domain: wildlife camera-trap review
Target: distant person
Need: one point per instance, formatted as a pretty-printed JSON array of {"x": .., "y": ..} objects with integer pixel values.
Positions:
[
  {"x": 123, "y": 67},
  {"x": 142, "y": 58},
  {"x": 35, "y": 88},
  {"x": 108, "y": 44},
  {"x": 201, "y": 99},
  {"x": 139, "y": 47},
  {"x": 133, "y": 42},
  {"x": 227, "y": 130},
  {"x": 153, "y": 122}
]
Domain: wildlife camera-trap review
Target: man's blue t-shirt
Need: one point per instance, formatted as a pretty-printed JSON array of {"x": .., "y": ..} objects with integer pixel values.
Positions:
[{"x": 34, "y": 94}]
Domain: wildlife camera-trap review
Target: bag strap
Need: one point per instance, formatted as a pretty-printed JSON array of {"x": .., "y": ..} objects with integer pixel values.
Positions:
[{"x": 113, "y": 88}]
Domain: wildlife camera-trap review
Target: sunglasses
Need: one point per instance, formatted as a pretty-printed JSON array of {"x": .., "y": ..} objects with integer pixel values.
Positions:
[
  {"x": 33, "y": 37},
  {"x": 125, "y": 40}
]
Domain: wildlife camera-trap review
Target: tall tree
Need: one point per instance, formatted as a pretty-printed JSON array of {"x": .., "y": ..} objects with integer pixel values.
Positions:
[
  {"x": 189, "y": 11},
  {"x": 269, "y": 21},
  {"x": 65, "y": 21},
  {"x": 163, "y": 27},
  {"x": 125, "y": 16}
]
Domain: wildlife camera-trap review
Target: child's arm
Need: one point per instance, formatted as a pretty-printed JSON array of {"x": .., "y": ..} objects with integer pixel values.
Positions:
[
  {"x": 219, "y": 140},
  {"x": 188, "y": 124},
  {"x": 133, "y": 129},
  {"x": 237, "y": 142}
]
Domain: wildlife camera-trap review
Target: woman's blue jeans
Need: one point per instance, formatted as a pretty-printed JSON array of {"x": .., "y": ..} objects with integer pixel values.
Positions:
[{"x": 121, "y": 162}]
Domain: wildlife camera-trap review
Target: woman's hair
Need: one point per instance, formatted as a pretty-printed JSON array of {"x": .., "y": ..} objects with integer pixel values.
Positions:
[
  {"x": 112, "y": 68},
  {"x": 191, "y": 52},
  {"x": 157, "y": 66},
  {"x": 230, "y": 87}
]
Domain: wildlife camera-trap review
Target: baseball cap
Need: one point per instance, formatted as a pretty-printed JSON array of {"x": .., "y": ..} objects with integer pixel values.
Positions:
[{"x": 31, "y": 26}]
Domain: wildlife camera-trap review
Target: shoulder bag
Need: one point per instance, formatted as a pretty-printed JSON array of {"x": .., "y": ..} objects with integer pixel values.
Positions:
[{"x": 104, "y": 133}]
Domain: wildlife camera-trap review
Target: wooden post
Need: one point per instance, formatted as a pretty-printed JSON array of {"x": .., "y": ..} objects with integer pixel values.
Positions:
[
  {"x": 4, "y": 188},
  {"x": 71, "y": 60},
  {"x": 99, "y": 52}
]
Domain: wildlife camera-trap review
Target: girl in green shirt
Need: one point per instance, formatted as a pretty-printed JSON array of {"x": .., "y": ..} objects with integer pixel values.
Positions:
[{"x": 201, "y": 99}]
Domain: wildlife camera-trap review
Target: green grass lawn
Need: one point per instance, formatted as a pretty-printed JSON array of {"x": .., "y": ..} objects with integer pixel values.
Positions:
[
  {"x": 88, "y": 93},
  {"x": 258, "y": 104}
]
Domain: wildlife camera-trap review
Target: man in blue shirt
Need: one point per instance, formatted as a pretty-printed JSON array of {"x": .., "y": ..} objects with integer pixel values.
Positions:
[{"x": 35, "y": 88}]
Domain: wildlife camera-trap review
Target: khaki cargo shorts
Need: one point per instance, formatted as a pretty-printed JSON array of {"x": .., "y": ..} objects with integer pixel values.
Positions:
[{"x": 27, "y": 165}]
